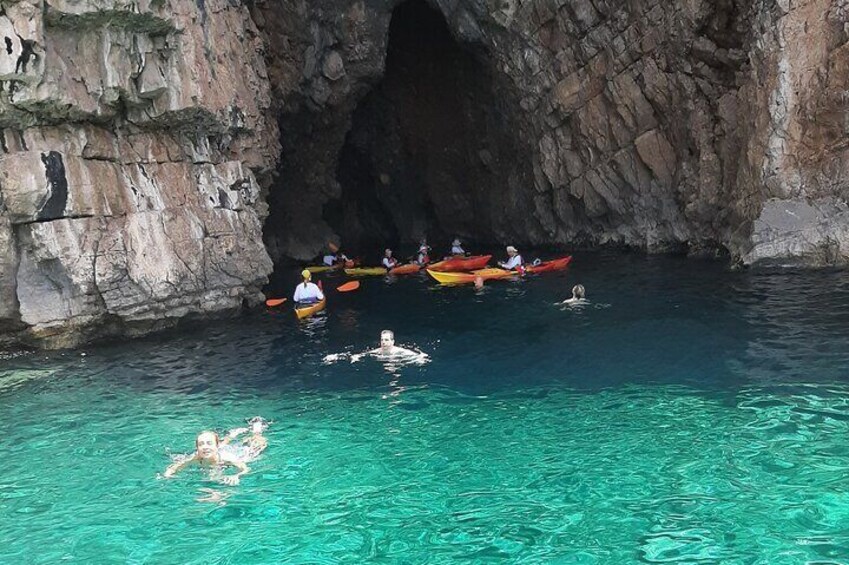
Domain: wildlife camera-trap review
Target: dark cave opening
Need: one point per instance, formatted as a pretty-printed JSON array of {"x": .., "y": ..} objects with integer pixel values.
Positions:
[{"x": 430, "y": 148}]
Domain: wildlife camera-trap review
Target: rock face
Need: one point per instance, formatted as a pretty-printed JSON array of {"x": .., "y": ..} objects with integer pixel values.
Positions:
[
  {"x": 144, "y": 142},
  {"x": 133, "y": 137},
  {"x": 700, "y": 125}
]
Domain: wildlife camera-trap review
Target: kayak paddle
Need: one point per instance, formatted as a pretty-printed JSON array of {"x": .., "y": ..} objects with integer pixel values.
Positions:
[
  {"x": 349, "y": 286},
  {"x": 272, "y": 302}
]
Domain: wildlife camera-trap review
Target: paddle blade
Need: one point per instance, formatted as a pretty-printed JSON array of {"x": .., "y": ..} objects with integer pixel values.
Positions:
[
  {"x": 349, "y": 286},
  {"x": 272, "y": 302}
]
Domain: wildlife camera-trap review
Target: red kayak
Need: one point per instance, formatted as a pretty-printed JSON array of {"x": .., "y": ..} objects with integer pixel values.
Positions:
[
  {"x": 546, "y": 266},
  {"x": 457, "y": 264},
  {"x": 406, "y": 269}
]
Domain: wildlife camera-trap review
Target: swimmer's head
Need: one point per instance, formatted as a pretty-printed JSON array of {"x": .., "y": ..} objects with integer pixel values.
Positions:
[
  {"x": 206, "y": 444},
  {"x": 478, "y": 282},
  {"x": 387, "y": 339},
  {"x": 578, "y": 291}
]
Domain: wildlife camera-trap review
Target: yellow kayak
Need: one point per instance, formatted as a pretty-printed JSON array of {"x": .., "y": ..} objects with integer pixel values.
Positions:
[
  {"x": 305, "y": 311},
  {"x": 322, "y": 268},
  {"x": 365, "y": 271},
  {"x": 466, "y": 278}
]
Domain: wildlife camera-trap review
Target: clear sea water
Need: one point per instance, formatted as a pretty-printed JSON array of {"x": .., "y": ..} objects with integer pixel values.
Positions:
[{"x": 689, "y": 414}]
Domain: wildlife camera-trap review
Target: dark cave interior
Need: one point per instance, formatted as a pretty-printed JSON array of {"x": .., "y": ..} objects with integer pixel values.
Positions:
[{"x": 430, "y": 147}]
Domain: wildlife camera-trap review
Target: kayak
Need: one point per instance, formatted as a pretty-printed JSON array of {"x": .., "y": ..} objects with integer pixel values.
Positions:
[
  {"x": 365, "y": 271},
  {"x": 461, "y": 264},
  {"x": 547, "y": 266},
  {"x": 465, "y": 278},
  {"x": 308, "y": 310},
  {"x": 322, "y": 268},
  {"x": 406, "y": 269},
  {"x": 327, "y": 268}
]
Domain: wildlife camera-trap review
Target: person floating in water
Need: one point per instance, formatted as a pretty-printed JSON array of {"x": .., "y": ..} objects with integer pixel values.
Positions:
[
  {"x": 514, "y": 260},
  {"x": 578, "y": 296},
  {"x": 388, "y": 352},
  {"x": 457, "y": 247},
  {"x": 213, "y": 452},
  {"x": 478, "y": 282},
  {"x": 389, "y": 261},
  {"x": 307, "y": 292}
]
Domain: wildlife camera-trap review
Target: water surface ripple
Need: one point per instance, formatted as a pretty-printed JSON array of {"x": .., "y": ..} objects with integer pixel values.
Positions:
[{"x": 687, "y": 415}]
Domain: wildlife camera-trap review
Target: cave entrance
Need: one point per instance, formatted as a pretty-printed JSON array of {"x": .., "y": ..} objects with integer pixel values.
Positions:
[{"x": 429, "y": 148}]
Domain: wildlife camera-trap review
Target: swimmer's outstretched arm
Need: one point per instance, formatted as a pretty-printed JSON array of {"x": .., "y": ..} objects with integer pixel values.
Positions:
[
  {"x": 234, "y": 479},
  {"x": 233, "y": 434},
  {"x": 175, "y": 468}
]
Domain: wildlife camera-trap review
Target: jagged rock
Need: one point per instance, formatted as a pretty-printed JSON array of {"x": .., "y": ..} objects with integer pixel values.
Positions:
[{"x": 106, "y": 227}]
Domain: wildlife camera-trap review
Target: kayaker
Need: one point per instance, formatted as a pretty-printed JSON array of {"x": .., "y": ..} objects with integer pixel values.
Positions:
[
  {"x": 514, "y": 260},
  {"x": 423, "y": 257},
  {"x": 388, "y": 260},
  {"x": 578, "y": 295},
  {"x": 307, "y": 292},
  {"x": 457, "y": 248},
  {"x": 336, "y": 258}
]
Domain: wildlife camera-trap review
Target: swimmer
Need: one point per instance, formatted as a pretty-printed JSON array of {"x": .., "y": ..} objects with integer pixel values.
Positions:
[
  {"x": 387, "y": 351},
  {"x": 478, "y": 282},
  {"x": 578, "y": 296},
  {"x": 211, "y": 451}
]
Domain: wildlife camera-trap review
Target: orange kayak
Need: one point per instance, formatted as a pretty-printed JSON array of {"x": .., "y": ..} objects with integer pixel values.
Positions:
[
  {"x": 456, "y": 264},
  {"x": 466, "y": 278},
  {"x": 406, "y": 269},
  {"x": 546, "y": 266},
  {"x": 306, "y": 311}
]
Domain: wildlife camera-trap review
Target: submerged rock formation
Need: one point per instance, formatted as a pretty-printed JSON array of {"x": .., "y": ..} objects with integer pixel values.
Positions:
[
  {"x": 133, "y": 135},
  {"x": 144, "y": 142}
]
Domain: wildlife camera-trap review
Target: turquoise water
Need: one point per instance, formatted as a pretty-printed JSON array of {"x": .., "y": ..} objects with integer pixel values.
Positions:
[{"x": 687, "y": 415}]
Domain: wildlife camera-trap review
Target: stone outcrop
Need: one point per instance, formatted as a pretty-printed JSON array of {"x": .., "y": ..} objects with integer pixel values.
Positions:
[
  {"x": 133, "y": 136},
  {"x": 703, "y": 125}
]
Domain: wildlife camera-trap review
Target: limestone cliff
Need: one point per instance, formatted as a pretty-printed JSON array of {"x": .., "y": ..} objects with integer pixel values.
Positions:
[
  {"x": 703, "y": 125},
  {"x": 133, "y": 136},
  {"x": 149, "y": 146}
]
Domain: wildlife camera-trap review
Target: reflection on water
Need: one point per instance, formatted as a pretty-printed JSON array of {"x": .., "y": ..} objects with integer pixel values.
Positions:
[{"x": 688, "y": 415}]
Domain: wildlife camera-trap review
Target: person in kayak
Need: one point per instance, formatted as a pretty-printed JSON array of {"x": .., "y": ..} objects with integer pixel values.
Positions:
[
  {"x": 457, "y": 248},
  {"x": 423, "y": 257},
  {"x": 578, "y": 295},
  {"x": 334, "y": 258},
  {"x": 388, "y": 260},
  {"x": 514, "y": 260},
  {"x": 215, "y": 453},
  {"x": 307, "y": 292}
]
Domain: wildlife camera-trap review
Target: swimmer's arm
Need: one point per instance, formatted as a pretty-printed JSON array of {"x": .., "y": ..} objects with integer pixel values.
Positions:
[
  {"x": 233, "y": 434},
  {"x": 234, "y": 479},
  {"x": 175, "y": 468}
]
